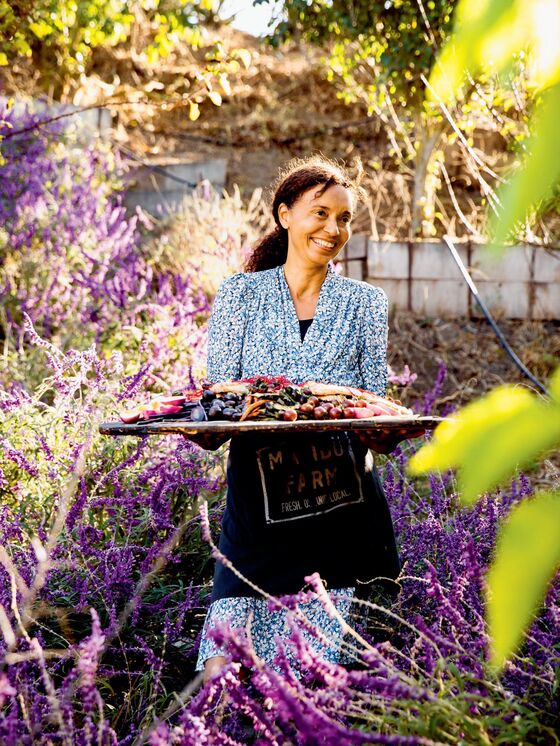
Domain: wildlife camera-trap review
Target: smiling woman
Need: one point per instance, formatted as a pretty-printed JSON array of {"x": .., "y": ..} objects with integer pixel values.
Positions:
[
  {"x": 299, "y": 504},
  {"x": 320, "y": 221},
  {"x": 314, "y": 200}
]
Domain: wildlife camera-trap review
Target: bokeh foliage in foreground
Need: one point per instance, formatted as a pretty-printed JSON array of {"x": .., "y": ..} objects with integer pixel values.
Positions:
[{"x": 509, "y": 428}]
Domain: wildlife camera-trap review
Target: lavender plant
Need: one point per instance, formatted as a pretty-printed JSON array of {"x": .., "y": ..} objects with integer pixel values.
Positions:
[
  {"x": 74, "y": 262},
  {"x": 100, "y": 555},
  {"x": 92, "y": 524}
]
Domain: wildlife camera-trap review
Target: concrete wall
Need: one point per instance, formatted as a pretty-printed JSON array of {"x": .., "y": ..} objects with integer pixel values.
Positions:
[
  {"x": 423, "y": 277},
  {"x": 162, "y": 191},
  {"x": 94, "y": 122}
]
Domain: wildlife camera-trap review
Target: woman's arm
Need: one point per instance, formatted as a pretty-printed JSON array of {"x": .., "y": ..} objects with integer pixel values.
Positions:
[
  {"x": 226, "y": 329},
  {"x": 373, "y": 367},
  {"x": 372, "y": 360}
]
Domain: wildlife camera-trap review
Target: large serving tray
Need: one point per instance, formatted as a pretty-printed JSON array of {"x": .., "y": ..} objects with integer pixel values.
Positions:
[{"x": 221, "y": 427}]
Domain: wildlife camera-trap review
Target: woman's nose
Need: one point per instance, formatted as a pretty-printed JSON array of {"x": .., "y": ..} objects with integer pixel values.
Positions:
[{"x": 332, "y": 226}]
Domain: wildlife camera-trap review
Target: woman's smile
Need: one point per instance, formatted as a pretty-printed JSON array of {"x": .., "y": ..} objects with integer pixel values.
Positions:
[{"x": 323, "y": 243}]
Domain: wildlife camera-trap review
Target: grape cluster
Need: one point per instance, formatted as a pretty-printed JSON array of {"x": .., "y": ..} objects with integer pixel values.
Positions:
[{"x": 228, "y": 406}]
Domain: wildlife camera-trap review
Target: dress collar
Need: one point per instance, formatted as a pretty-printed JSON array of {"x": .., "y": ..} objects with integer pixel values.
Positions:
[{"x": 281, "y": 275}]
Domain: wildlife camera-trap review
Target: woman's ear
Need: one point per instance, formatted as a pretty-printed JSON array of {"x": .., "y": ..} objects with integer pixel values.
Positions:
[{"x": 284, "y": 215}]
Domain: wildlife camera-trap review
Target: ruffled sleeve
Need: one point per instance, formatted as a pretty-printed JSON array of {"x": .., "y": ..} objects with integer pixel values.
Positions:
[
  {"x": 226, "y": 329},
  {"x": 372, "y": 359}
]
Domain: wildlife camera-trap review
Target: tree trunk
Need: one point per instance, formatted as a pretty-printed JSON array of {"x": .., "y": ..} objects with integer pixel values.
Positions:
[{"x": 426, "y": 179}]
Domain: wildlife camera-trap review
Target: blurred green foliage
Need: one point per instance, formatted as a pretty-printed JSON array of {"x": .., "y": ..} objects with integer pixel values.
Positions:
[
  {"x": 494, "y": 36},
  {"x": 63, "y": 33},
  {"x": 509, "y": 428}
]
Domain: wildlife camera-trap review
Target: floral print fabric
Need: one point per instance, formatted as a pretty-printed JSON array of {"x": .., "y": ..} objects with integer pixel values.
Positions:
[
  {"x": 254, "y": 330},
  {"x": 263, "y": 626}
]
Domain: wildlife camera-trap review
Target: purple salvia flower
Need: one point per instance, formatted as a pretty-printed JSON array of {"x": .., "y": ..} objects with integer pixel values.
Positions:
[
  {"x": 6, "y": 689},
  {"x": 18, "y": 458},
  {"x": 431, "y": 396}
]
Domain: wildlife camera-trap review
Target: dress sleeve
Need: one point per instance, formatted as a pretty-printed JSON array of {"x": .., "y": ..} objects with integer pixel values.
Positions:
[
  {"x": 226, "y": 329},
  {"x": 372, "y": 359}
]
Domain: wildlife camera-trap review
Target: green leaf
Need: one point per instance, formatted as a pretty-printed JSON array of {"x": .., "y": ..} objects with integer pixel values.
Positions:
[
  {"x": 3, "y": 59},
  {"x": 527, "y": 554},
  {"x": 490, "y": 438},
  {"x": 452, "y": 438},
  {"x": 505, "y": 446},
  {"x": 41, "y": 29},
  {"x": 535, "y": 180},
  {"x": 194, "y": 111},
  {"x": 244, "y": 55}
]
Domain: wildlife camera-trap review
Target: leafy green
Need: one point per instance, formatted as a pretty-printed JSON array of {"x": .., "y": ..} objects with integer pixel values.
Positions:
[
  {"x": 490, "y": 438},
  {"x": 527, "y": 555}
]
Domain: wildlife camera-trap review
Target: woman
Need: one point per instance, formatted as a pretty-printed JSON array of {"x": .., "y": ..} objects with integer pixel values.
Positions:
[{"x": 298, "y": 504}]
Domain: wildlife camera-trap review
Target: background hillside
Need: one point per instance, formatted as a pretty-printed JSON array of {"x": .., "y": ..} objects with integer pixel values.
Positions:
[{"x": 280, "y": 106}]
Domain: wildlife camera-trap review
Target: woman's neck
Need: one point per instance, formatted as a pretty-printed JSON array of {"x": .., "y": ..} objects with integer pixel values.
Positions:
[
  {"x": 304, "y": 281},
  {"x": 304, "y": 284}
]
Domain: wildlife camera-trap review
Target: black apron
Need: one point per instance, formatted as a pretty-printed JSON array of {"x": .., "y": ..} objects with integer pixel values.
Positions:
[{"x": 303, "y": 503}]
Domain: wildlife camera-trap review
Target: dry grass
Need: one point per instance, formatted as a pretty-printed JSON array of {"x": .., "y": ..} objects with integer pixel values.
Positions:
[{"x": 474, "y": 359}]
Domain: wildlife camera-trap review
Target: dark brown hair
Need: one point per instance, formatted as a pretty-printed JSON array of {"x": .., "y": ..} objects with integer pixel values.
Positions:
[{"x": 299, "y": 175}]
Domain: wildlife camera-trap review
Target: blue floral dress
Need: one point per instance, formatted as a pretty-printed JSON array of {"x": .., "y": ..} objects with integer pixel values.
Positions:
[{"x": 254, "y": 330}]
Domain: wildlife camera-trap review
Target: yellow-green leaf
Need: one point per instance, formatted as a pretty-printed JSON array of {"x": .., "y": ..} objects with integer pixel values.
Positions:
[
  {"x": 490, "y": 438},
  {"x": 194, "y": 111},
  {"x": 41, "y": 29},
  {"x": 215, "y": 98},
  {"x": 527, "y": 555},
  {"x": 452, "y": 439},
  {"x": 535, "y": 180},
  {"x": 224, "y": 82},
  {"x": 507, "y": 445},
  {"x": 244, "y": 55},
  {"x": 3, "y": 59}
]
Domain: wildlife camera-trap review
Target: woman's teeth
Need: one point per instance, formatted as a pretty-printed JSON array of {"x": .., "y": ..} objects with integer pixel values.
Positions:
[{"x": 323, "y": 244}]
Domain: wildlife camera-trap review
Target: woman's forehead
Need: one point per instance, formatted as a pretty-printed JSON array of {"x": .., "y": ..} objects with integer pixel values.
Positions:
[{"x": 334, "y": 196}]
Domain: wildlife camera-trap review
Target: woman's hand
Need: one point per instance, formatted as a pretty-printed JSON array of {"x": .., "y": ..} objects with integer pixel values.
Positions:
[
  {"x": 385, "y": 441},
  {"x": 208, "y": 441}
]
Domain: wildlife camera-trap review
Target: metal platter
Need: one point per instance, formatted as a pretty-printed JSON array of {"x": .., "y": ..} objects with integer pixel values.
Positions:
[{"x": 221, "y": 427}]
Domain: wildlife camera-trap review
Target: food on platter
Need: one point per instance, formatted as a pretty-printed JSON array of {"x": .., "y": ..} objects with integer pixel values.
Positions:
[
  {"x": 268, "y": 398},
  {"x": 162, "y": 406}
]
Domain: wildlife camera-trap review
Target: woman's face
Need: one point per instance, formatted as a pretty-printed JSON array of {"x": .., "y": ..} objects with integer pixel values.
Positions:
[{"x": 318, "y": 223}]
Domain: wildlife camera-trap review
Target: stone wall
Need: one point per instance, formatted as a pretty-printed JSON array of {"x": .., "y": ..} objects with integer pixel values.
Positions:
[{"x": 423, "y": 277}]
